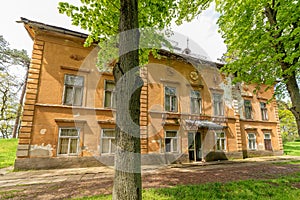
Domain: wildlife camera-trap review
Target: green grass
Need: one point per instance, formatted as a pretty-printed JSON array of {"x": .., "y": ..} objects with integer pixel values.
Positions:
[
  {"x": 281, "y": 189},
  {"x": 292, "y": 148},
  {"x": 8, "y": 148}
]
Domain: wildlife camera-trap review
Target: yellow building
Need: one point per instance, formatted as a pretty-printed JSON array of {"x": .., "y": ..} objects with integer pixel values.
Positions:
[{"x": 189, "y": 111}]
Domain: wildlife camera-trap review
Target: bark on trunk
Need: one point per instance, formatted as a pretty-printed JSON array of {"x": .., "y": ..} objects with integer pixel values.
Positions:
[
  {"x": 294, "y": 92},
  {"x": 127, "y": 180}
]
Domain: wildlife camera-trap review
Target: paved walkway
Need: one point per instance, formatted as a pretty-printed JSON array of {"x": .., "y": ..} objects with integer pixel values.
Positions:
[{"x": 9, "y": 178}]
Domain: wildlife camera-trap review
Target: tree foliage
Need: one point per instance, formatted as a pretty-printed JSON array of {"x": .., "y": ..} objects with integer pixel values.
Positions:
[
  {"x": 10, "y": 86},
  {"x": 263, "y": 44}
]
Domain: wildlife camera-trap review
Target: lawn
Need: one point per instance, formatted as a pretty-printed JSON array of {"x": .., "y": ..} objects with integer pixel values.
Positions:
[
  {"x": 8, "y": 148},
  {"x": 287, "y": 187},
  {"x": 292, "y": 148}
]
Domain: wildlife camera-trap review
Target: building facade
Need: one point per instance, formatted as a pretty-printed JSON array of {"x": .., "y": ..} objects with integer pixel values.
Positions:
[{"x": 189, "y": 110}]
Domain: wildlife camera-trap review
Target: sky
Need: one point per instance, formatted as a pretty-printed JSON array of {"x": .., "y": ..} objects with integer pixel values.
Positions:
[{"x": 202, "y": 32}]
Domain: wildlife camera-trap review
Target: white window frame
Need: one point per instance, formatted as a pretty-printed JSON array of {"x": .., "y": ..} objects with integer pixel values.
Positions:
[
  {"x": 74, "y": 87},
  {"x": 218, "y": 101},
  {"x": 109, "y": 139},
  {"x": 170, "y": 98},
  {"x": 252, "y": 141},
  {"x": 246, "y": 108},
  {"x": 197, "y": 100},
  {"x": 69, "y": 143},
  {"x": 264, "y": 111},
  {"x": 112, "y": 101},
  {"x": 173, "y": 139},
  {"x": 220, "y": 140}
]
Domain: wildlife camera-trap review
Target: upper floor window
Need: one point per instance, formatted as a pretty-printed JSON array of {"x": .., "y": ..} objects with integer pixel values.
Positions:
[
  {"x": 171, "y": 141},
  {"x": 109, "y": 94},
  {"x": 108, "y": 141},
  {"x": 68, "y": 141},
  {"x": 267, "y": 141},
  {"x": 195, "y": 102},
  {"x": 221, "y": 141},
  {"x": 73, "y": 90},
  {"x": 248, "y": 109},
  {"x": 264, "y": 111},
  {"x": 251, "y": 141},
  {"x": 170, "y": 99},
  {"x": 218, "y": 104}
]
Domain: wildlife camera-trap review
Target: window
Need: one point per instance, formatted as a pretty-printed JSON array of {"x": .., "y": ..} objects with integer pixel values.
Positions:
[
  {"x": 264, "y": 111},
  {"x": 68, "y": 141},
  {"x": 218, "y": 104},
  {"x": 170, "y": 99},
  {"x": 73, "y": 90},
  {"x": 108, "y": 141},
  {"x": 251, "y": 141},
  {"x": 109, "y": 94},
  {"x": 195, "y": 102},
  {"x": 267, "y": 141},
  {"x": 171, "y": 141},
  {"x": 248, "y": 109},
  {"x": 221, "y": 141}
]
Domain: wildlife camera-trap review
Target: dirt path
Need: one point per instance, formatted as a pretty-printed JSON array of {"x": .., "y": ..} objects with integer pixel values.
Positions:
[{"x": 61, "y": 184}]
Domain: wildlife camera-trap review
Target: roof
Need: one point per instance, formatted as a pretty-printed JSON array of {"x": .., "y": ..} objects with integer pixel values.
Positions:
[
  {"x": 47, "y": 27},
  {"x": 204, "y": 124}
]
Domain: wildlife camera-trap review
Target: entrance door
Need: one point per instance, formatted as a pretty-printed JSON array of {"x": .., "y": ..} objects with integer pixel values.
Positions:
[{"x": 194, "y": 142}]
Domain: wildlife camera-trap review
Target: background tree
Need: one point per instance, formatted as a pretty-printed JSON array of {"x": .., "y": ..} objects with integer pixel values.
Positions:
[
  {"x": 263, "y": 44},
  {"x": 10, "y": 100},
  {"x": 125, "y": 18},
  {"x": 288, "y": 124}
]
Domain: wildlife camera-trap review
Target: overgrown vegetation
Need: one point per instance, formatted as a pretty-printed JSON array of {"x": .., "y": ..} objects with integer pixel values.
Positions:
[
  {"x": 8, "y": 149},
  {"x": 292, "y": 148},
  {"x": 286, "y": 187}
]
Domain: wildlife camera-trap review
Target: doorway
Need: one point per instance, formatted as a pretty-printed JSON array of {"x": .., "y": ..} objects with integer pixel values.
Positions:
[{"x": 194, "y": 145}]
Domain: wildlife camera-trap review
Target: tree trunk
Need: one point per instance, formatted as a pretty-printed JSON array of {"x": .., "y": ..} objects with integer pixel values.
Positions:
[
  {"x": 127, "y": 180},
  {"x": 17, "y": 121},
  {"x": 294, "y": 92}
]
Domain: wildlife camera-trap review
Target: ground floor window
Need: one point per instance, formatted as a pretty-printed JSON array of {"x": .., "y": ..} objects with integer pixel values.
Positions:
[
  {"x": 251, "y": 141},
  {"x": 68, "y": 141},
  {"x": 220, "y": 141},
  {"x": 108, "y": 141},
  {"x": 171, "y": 141},
  {"x": 267, "y": 141}
]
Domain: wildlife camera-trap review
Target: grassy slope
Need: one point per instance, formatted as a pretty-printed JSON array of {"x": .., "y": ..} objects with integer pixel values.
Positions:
[
  {"x": 292, "y": 148},
  {"x": 8, "y": 148}
]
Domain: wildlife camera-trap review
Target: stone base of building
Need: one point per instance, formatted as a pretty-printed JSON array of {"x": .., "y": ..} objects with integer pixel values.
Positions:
[
  {"x": 92, "y": 161},
  {"x": 251, "y": 154}
]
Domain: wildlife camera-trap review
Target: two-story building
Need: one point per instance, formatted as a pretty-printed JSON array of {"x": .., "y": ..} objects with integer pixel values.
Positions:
[{"x": 189, "y": 110}]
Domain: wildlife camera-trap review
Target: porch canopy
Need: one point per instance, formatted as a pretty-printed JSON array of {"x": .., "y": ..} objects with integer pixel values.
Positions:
[{"x": 204, "y": 124}]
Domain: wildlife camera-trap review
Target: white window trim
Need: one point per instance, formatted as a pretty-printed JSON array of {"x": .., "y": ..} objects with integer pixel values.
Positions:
[
  {"x": 177, "y": 138},
  {"x": 225, "y": 140},
  {"x": 222, "y": 110},
  {"x": 112, "y": 94},
  {"x": 200, "y": 103},
  {"x": 255, "y": 143},
  {"x": 176, "y": 97},
  {"x": 110, "y": 143},
  {"x": 78, "y": 140},
  {"x": 64, "y": 91}
]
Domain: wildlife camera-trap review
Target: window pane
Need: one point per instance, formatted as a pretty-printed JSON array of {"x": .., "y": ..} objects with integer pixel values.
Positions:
[
  {"x": 73, "y": 146},
  {"x": 171, "y": 134},
  {"x": 113, "y": 145},
  {"x": 167, "y": 103},
  {"x": 170, "y": 91},
  {"x": 174, "y": 144},
  {"x": 74, "y": 80},
  {"x": 69, "y": 132},
  {"x": 168, "y": 144},
  {"x": 107, "y": 100},
  {"x": 105, "y": 145},
  {"x": 251, "y": 135},
  {"x": 109, "y": 133},
  {"x": 174, "y": 104},
  {"x": 64, "y": 143},
  {"x": 78, "y": 96},
  {"x": 109, "y": 86},
  {"x": 68, "y": 95}
]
